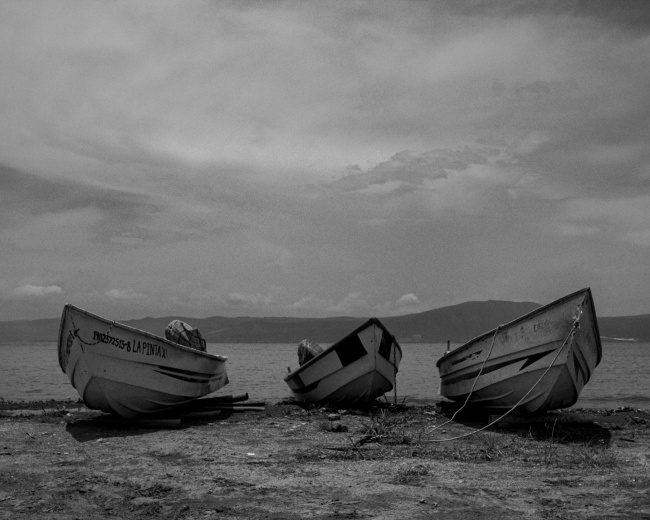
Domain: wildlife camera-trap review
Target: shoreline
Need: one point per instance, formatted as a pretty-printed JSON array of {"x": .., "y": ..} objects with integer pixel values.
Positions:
[
  {"x": 34, "y": 404},
  {"x": 59, "y": 460}
]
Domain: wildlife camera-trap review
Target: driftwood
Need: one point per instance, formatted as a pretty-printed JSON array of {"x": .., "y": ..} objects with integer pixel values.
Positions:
[
  {"x": 220, "y": 399},
  {"x": 243, "y": 408},
  {"x": 213, "y": 406}
]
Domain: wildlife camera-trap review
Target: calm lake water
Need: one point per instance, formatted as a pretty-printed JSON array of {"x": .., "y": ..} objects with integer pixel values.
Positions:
[{"x": 30, "y": 371}]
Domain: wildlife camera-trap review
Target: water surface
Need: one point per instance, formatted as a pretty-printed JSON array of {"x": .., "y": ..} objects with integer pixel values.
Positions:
[{"x": 30, "y": 371}]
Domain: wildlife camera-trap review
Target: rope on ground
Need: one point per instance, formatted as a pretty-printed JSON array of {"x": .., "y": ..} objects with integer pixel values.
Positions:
[{"x": 567, "y": 341}]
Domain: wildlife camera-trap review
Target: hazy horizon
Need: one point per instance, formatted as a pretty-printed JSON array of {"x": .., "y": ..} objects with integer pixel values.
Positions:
[{"x": 360, "y": 317}]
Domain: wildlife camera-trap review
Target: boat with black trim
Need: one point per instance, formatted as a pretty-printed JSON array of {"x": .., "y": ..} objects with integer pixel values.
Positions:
[
  {"x": 130, "y": 372},
  {"x": 359, "y": 368}
]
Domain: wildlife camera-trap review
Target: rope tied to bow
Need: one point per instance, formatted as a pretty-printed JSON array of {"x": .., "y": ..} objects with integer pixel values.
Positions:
[{"x": 567, "y": 341}]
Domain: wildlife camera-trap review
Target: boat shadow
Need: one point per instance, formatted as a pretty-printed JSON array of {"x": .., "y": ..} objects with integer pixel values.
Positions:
[
  {"x": 97, "y": 426},
  {"x": 561, "y": 426}
]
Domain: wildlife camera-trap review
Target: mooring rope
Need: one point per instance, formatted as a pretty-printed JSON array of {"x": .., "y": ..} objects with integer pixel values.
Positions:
[
  {"x": 574, "y": 328},
  {"x": 473, "y": 384},
  {"x": 394, "y": 373}
]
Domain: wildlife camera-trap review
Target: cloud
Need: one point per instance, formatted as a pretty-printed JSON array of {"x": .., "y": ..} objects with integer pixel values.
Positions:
[
  {"x": 357, "y": 304},
  {"x": 310, "y": 304},
  {"x": 405, "y": 304},
  {"x": 117, "y": 211},
  {"x": 408, "y": 300},
  {"x": 411, "y": 170},
  {"x": 575, "y": 230},
  {"x": 640, "y": 237},
  {"x": 352, "y": 304},
  {"x": 622, "y": 218},
  {"x": 123, "y": 294},
  {"x": 626, "y": 16},
  {"x": 406, "y": 169},
  {"x": 248, "y": 300},
  {"x": 36, "y": 291}
]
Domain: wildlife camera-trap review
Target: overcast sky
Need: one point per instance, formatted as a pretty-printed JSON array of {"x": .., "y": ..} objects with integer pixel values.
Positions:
[{"x": 321, "y": 158}]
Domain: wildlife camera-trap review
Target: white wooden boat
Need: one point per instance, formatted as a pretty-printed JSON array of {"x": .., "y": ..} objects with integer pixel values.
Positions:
[
  {"x": 129, "y": 372},
  {"x": 357, "y": 369},
  {"x": 542, "y": 359}
]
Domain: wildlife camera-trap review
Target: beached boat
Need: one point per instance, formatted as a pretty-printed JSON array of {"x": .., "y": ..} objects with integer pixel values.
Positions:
[
  {"x": 538, "y": 362},
  {"x": 357, "y": 369},
  {"x": 129, "y": 372}
]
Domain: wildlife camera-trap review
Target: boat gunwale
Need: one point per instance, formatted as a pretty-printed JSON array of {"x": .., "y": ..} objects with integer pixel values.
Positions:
[
  {"x": 129, "y": 328},
  {"x": 365, "y": 325},
  {"x": 543, "y": 308}
]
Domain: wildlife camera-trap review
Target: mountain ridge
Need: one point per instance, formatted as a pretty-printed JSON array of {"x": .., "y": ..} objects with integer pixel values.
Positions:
[{"x": 456, "y": 323}]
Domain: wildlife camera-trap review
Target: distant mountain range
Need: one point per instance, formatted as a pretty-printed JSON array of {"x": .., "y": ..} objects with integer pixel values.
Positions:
[{"x": 456, "y": 323}]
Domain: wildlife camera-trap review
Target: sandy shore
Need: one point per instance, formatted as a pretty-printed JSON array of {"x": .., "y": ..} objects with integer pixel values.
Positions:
[{"x": 60, "y": 460}]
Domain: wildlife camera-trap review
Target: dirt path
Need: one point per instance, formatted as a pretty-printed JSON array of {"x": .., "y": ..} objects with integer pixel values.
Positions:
[{"x": 59, "y": 460}]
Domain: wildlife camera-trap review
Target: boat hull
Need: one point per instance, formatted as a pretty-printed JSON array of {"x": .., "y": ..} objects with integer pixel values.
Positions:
[
  {"x": 357, "y": 369},
  {"x": 543, "y": 359},
  {"x": 129, "y": 372}
]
